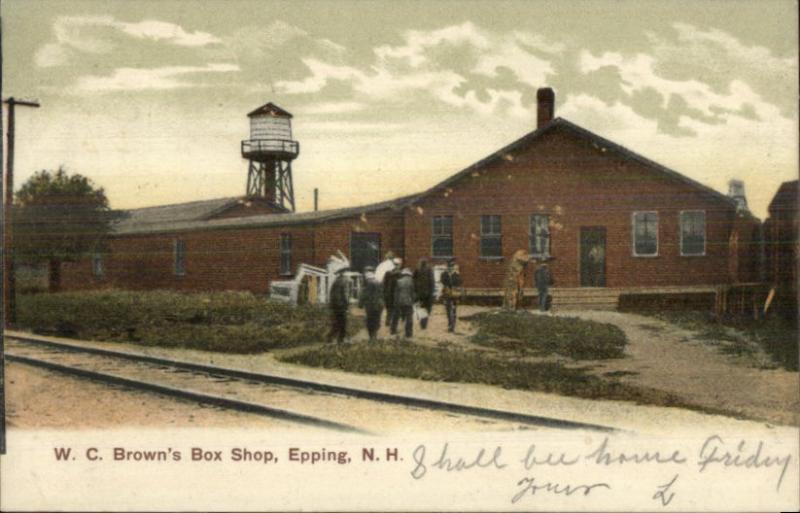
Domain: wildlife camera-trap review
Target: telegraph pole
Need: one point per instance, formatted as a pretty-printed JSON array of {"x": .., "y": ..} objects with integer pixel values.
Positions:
[{"x": 9, "y": 295}]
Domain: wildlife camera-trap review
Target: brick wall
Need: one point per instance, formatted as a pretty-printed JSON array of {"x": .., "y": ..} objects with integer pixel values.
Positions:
[
  {"x": 578, "y": 184},
  {"x": 230, "y": 259}
]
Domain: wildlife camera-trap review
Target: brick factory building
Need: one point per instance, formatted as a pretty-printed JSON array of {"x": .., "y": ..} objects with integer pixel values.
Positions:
[{"x": 610, "y": 219}]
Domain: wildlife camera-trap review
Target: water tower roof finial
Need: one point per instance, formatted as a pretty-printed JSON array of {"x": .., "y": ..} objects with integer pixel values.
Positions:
[{"x": 270, "y": 109}]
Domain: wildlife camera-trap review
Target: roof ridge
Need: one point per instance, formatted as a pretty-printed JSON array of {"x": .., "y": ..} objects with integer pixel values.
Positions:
[{"x": 193, "y": 202}]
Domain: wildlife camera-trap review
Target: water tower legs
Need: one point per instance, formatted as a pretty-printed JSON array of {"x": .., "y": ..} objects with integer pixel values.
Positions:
[{"x": 272, "y": 180}]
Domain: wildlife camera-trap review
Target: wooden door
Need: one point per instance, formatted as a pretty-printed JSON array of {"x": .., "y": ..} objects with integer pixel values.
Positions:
[
  {"x": 593, "y": 256},
  {"x": 365, "y": 249}
]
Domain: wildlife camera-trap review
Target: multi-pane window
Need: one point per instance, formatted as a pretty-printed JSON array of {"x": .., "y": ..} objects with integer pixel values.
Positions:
[
  {"x": 693, "y": 233},
  {"x": 442, "y": 237},
  {"x": 286, "y": 253},
  {"x": 179, "y": 257},
  {"x": 539, "y": 235},
  {"x": 491, "y": 237},
  {"x": 98, "y": 270},
  {"x": 645, "y": 233}
]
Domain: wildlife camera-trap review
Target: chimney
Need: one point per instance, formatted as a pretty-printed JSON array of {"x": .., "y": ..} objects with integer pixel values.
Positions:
[
  {"x": 546, "y": 101},
  {"x": 736, "y": 191}
]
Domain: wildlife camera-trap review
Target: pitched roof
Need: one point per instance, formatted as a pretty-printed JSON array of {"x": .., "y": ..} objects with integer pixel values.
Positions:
[
  {"x": 163, "y": 224},
  {"x": 786, "y": 198},
  {"x": 582, "y": 132},
  {"x": 179, "y": 212},
  {"x": 271, "y": 109}
]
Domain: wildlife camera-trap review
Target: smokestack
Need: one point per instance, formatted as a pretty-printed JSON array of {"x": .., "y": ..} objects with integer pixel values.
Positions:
[
  {"x": 546, "y": 101},
  {"x": 316, "y": 199}
]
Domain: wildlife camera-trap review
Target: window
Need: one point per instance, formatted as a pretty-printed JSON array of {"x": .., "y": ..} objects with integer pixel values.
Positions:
[
  {"x": 98, "y": 270},
  {"x": 179, "y": 254},
  {"x": 286, "y": 253},
  {"x": 491, "y": 241},
  {"x": 645, "y": 233},
  {"x": 693, "y": 233},
  {"x": 442, "y": 237},
  {"x": 539, "y": 235}
]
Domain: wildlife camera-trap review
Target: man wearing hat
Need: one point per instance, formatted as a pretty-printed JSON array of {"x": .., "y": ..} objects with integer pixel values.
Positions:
[
  {"x": 389, "y": 284},
  {"x": 404, "y": 299},
  {"x": 371, "y": 300},
  {"x": 339, "y": 303},
  {"x": 451, "y": 283}
]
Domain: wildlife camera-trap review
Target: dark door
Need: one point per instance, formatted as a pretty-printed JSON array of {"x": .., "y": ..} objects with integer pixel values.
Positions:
[
  {"x": 365, "y": 249},
  {"x": 593, "y": 257}
]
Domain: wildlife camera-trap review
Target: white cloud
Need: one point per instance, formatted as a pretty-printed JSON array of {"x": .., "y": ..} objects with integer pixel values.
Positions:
[
  {"x": 161, "y": 30},
  {"x": 331, "y": 108},
  {"x": 638, "y": 73},
  {"x": 140, "y": 79},
  {"x": 79, "y": 34},
  {"x": 417, "y": 66}
]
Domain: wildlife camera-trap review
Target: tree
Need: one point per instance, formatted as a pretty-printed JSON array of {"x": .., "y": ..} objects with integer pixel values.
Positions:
[{"x": 58, "y": 218}]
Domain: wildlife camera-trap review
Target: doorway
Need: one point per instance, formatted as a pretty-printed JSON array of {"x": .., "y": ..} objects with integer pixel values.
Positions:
[
  {"x": 365, "y": 249},
  {"x": 593, "y": 256}
]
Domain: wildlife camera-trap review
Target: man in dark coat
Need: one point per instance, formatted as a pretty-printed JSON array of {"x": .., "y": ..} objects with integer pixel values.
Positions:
[
  {"x": 543, "y": 279},
  {"x": 389, "y": 282},
  {"x": 451, "y": 292},
  {"x": 404, "y": 303},
  {"x": 424, "y": 286},
  {"x": 339, "y": 302},
  {"x": 371, "y": 300}
]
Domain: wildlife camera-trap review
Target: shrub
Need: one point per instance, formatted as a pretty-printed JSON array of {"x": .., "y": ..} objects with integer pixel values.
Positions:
[
  {"x": 224, "y": 321},
  {"x": 544, "y": 335}
]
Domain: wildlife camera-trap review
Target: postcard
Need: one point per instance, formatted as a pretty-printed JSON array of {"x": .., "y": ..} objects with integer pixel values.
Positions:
[{"x": 402, "y": 256}]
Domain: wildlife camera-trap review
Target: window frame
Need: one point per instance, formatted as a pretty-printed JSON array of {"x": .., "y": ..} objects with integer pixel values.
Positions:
[
  {"x": 492, "y": 235},
  {"x": 633, "y": 234},
  {"x": 436, "y": 236},
  {"x": 179, "y": 260},
  {"x": 680, "y": 232},
  {"x": 532, "y": 237},
  {"x": 285, "y": 253}
]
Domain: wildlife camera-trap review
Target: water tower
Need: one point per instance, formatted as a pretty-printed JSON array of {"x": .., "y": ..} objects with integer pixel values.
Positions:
[{"x": 271, "y": 151}]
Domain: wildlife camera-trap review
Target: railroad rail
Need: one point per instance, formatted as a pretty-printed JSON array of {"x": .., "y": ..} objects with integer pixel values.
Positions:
[{"x": 145, "y": 366}]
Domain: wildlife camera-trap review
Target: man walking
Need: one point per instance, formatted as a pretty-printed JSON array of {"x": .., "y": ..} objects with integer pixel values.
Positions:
[
  {"x": 339, "y": 304},
  {"x": 371, "y": 300},
  {"x": 389, "y": 283},
  {"x": 543, "y": 279},
  {"x": 424, "y": 286},
  {"x": 404, "y": 303},
  {"x": 451, "y": 284}
]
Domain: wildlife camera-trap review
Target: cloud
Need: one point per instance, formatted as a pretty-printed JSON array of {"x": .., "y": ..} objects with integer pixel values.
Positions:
[
  {"x": 141, "y": 79},
  {"x": 164, "y": 31},
  {"x": 458, "y": 65},
  {"x": 75, "y": 35},
  {"x": 332, "y": 108}
]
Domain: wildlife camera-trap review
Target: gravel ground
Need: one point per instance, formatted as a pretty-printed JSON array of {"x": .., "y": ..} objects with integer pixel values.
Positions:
[
  {"x": 646, "y": 357},
  {"x": 37, "y": 398}
]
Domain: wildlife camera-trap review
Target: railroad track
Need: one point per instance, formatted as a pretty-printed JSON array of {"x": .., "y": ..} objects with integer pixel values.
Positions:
[{"x": 289, "y": 399}]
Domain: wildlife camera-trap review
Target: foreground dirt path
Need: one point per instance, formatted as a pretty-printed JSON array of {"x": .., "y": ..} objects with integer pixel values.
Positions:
[
  {"x": 661, "y": 355},
  {"x": 39, "y": 399}
]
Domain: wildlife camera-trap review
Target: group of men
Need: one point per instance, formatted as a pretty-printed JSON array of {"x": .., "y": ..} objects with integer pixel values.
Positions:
[{"x": 403, "y": 293}]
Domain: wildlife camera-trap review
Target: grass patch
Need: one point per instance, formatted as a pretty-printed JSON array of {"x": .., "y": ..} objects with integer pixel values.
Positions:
[
  {"x": 234, "y": 322},
  {"x": 449, "y": 365},
  {"x": 775, "y": 337},
  {"x": 543, "y": 335}
]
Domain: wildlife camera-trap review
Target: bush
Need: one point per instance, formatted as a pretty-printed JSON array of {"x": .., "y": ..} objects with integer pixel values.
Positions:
[
  {"x": 544, "y": 335},
  {"x": 225, "y": 321},
  {"x": 450, "y": 365}
]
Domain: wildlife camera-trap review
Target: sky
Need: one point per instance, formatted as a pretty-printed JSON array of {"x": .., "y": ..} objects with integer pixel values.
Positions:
[{"x": 150, "y": 98}]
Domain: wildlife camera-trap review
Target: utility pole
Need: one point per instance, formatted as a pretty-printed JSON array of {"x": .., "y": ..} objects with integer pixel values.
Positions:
[{"x": 9, "y": 295}]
